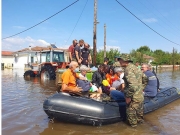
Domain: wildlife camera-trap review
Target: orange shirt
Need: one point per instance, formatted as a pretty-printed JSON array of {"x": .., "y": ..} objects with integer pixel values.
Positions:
[
  {"x": 69, "y": 78},
  {"x": 111, "y": 78}
]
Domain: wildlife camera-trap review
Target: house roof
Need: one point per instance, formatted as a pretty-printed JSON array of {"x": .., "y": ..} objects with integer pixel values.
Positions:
[
  {"x": 6, "y": 53},
  {"x": 147, "y": 56},
  {"x": 39, "y": 48}
]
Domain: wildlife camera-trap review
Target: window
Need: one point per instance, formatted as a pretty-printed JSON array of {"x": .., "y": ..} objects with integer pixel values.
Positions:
[
  {"x": 58, "y": 56},
  {"x": 47, "y": 56},
  {"x": 32, "y": 59}
]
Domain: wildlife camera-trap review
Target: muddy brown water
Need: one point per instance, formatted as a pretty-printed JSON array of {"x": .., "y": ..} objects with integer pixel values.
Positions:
[{"x": 22, "y": 110}]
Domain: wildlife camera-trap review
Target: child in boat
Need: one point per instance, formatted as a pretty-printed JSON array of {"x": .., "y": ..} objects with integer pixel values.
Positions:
[{"x": 111, "y": 76}]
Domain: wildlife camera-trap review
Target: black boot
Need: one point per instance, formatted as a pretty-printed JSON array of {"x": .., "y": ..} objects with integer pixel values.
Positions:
[{"x": 122, "y": 111}]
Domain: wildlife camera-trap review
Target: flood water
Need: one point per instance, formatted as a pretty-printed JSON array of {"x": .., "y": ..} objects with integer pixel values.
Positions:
[{"x": 22, "y": 110}]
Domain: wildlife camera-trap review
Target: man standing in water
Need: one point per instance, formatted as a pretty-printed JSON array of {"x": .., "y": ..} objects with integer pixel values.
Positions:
[{"x": 135, "y": 82}]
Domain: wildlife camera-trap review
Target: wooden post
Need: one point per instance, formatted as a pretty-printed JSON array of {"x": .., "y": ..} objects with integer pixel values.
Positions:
[
  {"x": 104, "y": 40},
  {"x": 173, "y": 58},
  {"x": 94, "y": 33}
]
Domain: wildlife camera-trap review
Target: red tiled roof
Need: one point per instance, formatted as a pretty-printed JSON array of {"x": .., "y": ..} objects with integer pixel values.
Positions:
[
  {"x": 6, "y": 53},
  {"x": 147, "y": 56},
  {"x": 39, "y": 48}
]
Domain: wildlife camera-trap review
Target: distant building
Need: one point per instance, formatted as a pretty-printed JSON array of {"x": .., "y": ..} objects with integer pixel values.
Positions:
[
  {"x": 35, "y": 55},
  {"x": 149, "y": 59},
  {"x": 7, "y": 59}
]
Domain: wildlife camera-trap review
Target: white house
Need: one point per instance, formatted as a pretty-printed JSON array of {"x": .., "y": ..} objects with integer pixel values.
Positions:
[
  {"x": 7, "y": 59},
  {"x": 35, "y": 55},
  {"x": 148, "y": 58}
]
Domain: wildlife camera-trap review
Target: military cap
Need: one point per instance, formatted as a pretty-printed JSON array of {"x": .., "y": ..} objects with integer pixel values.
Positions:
[
  {"x": 126, "y": 57},
  {"x": 116, "y": 56}
]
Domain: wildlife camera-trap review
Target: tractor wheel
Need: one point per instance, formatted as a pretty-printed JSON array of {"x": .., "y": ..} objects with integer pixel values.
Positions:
[
  {"x": 48, "y": 73},
  {"x": 29, "y": 73}
]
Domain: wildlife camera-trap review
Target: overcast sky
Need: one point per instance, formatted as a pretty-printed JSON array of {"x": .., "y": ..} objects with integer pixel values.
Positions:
[{"x": 124, "y": 31}]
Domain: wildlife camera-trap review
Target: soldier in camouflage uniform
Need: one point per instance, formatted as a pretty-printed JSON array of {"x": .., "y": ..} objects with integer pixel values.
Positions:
[
  {"x": 116, "y": 63},
  {"x": 135, "y": 82}
]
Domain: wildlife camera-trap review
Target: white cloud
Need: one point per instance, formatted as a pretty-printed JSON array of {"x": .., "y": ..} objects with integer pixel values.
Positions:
[
  {"x": 19, "y": 27},
  {"x": 113, "y": 41},
  {"x": 150, "y": 20},
  {"x": 17, "y": 43}
]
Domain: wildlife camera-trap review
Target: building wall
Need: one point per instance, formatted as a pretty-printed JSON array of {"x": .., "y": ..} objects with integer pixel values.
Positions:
[
  {"x": 7, "y": 61},
  {"x": 20, "y": 61}
]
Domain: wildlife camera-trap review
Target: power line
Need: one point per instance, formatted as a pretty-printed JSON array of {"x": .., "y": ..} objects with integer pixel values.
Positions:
[
  {"x": 77, "y": 22},
  {"x": 146, "y": 24},
  {"x": 165, "y": 17},
  {"x": 41, "y": 21},
  {"x": 160, "y": 19}
]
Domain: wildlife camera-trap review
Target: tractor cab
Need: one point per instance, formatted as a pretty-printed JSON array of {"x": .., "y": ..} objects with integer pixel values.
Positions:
[{"x": 48, "y": 60}]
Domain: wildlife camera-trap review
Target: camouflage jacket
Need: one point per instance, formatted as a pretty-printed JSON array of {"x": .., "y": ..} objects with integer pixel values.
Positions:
[
  {"x": 116, "y": 64},
  {"x": 135, "y": 82}
]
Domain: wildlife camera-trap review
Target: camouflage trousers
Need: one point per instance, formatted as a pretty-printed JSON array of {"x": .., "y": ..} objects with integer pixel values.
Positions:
[{"x": 134, "y": 112}]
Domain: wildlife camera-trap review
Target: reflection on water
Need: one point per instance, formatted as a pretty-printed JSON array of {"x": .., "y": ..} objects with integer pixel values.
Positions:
[{"x": 22, "y": 110}]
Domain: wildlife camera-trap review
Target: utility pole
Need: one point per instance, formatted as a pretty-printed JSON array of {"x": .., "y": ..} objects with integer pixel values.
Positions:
[
  {"x": 94, "y": 33},
  {"x": 173, "y": 58},
  {"x": 104, "y": 40}
]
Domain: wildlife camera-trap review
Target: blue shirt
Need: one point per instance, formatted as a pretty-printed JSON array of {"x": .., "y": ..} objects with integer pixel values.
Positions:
[{"x": 151, "y": 87}]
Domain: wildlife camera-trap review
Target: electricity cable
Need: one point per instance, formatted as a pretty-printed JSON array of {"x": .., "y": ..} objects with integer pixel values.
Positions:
[
  {"x": 161, "y": 19},
  {"x": 41, "y": 21},
  {"x": 175, "y": 27},
  {"x": 145, "y": 23},
  {"x": 77, "y": 22}
]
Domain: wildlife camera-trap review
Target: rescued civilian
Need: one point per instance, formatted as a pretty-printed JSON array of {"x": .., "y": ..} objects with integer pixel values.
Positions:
[
  {"x": 69, "y": 79},
  {"x": 151, "y": 88}
]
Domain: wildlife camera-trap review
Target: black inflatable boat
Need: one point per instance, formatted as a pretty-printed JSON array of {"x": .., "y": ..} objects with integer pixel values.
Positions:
[{"x": 83, "y": 110}]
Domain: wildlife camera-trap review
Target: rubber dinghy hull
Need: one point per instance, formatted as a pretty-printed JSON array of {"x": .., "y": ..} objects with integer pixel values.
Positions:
[{"x": 83, "y": 110}]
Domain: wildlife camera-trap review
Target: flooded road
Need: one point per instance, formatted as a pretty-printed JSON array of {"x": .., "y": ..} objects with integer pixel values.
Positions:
[{"x": 22, "y": 110}]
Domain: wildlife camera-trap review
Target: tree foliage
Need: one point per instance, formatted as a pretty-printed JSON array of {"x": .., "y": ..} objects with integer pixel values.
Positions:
[
  {"x": 109, "y": 54},
  {"x": 160, "y": 57}
]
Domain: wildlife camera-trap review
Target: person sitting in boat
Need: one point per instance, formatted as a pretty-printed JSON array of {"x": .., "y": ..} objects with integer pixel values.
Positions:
[
  {"x": 151, "y": 88},
  {"x": 97, "y": 78},
  {"x": 83, "y": 70},
  {"x": 87, "y": 86},
  {"x": 84, "y": 84},
  {"x": 117, "y": 92},
  {"x": 119, "y": 83},
  {"x": 152, "y": 70},
  {"x": 111, "y": 76},
  {"x": 69, "y": 79}
]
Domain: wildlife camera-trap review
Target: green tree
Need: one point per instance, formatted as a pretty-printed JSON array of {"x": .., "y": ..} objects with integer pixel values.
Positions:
[
  {"x": 160, "y": 57},
  {"x": 109, "y": 54},
  {"x": 137, "y": 56},
  {"x": 145, "y": 50}
]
